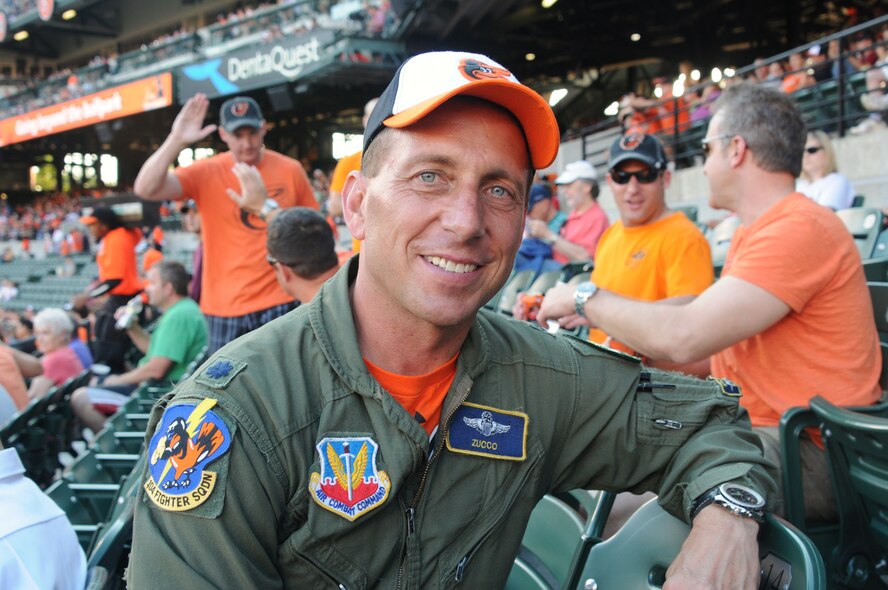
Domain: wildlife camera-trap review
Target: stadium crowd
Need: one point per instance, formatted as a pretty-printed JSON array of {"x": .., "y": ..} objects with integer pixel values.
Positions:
[{"x": 440, "y": 232}]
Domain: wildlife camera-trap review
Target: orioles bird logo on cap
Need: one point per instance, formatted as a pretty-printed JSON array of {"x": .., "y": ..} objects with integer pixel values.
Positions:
[
  {"x": 239, "y": 109},
  {"x": 631, "y": 141},
  {"x": 472, "y": 69}
]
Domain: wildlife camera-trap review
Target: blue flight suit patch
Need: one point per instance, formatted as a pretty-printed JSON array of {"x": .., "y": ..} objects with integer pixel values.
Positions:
[
  {"x": 488, "y": 432},
  {"x": 728, "y": 387}
]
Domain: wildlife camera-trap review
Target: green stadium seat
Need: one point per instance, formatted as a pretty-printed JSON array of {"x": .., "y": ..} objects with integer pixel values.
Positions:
[
  {"x": 856, "y": 444},
  {"x": 876, "y": 269},
  {"x": 864, "y": 223},
  {"x": 690, "y": 211},
  {"x": 523, "y": 577},
  {"x": 544, "y": 281},
  {"x": 520, "y": 281},
  {"x": 638, "y": 556},
  {"x": 552, "y": 534}
]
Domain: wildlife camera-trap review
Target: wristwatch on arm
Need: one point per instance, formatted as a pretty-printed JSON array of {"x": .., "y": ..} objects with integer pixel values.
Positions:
[
  {"x": 584, "y": 292},
  {"x": 267, "y": 207},
  {"x": 738, "y": 499}
]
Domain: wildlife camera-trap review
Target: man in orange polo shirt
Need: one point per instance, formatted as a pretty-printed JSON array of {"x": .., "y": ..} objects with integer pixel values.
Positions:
[
  {"x": 118, "y": 279},
  {"x": 239, "y": 291}
]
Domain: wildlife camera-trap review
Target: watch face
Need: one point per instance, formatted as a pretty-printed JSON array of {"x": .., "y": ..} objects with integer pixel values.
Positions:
[{"x": 742, "y": 495}]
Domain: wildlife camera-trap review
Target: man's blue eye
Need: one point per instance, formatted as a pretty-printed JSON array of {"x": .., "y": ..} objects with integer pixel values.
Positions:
[
  {"x": 499, "y": 191},
  {"x": 427, "y": 177}
]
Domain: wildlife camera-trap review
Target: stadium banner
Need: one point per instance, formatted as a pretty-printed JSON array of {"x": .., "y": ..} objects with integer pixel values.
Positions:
[
  {"x": 136, "y": 97},
  {"x": 283, "y": 60}
]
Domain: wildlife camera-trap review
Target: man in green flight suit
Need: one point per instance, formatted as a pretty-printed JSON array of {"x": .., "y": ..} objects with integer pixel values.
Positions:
[{"x": 391, "y": 435}]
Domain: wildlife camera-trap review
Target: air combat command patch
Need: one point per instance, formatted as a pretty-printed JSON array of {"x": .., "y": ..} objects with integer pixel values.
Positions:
[
  {"x": 188, "y": 439},
  {"x": 349, "y": 483},
  {"x": 488, "y": 432}
]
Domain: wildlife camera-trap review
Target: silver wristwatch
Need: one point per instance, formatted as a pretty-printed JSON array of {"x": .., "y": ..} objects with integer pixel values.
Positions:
[
  {"x": 584, "y": 291},
  {"x": 737, "y": 499},
  {"x": 267, "y": 207}
]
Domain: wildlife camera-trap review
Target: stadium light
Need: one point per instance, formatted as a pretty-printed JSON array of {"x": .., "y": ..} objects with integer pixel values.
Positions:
[
  {"x": 678, "y": 87},
  {"x": 69, "y": 14},
  {"x": 612, "y": 109},
  {"x": 530, "y": 56},
  {"x": 635, "y": 37},
  {"x": 695, "y": 75},
  {"x": 548, "y": 3},
  {"x": 716, "y": 75},
  {"x": 556, "y": 96},
  {"x": 658, "y": 92},
  {"x": 729, "y": 72},
  {"x": 21, "y": 36}
]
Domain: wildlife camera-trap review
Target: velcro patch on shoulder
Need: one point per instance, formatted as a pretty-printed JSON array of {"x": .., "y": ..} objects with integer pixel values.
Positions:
[
  {"x": 488, "y": 432},
  {"x": 579, "y": 343},
  {"x": 728, "y": 387},
  {"x": 188, "y": 440},
  {"x": 220, "y": 372}
]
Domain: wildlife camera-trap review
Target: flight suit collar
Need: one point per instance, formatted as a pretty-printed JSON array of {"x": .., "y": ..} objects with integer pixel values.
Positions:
[{"x": 333, "y": 323}]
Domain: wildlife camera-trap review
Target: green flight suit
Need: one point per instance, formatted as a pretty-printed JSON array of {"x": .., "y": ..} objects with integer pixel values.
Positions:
[{"x": 453, "y": 520}]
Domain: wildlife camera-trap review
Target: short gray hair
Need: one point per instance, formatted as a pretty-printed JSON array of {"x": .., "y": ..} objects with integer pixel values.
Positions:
[
  {"x": 770, "y": 123},
  {"x": 55, "y": 320}
]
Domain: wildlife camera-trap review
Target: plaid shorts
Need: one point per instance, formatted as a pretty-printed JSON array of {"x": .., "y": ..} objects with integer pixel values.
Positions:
[{"x": 223, "y": 330}]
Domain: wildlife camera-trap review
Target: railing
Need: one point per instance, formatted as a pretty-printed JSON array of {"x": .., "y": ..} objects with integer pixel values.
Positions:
[{"x": 831, "y": 104}]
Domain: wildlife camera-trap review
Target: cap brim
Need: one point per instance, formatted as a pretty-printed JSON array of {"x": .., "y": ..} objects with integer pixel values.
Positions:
[
  {"x": 627, "y": 156},
  {"x": 532, "y": 111},
  {"x": 89, "y": 219},
  {"x": 235, "y": 125}
]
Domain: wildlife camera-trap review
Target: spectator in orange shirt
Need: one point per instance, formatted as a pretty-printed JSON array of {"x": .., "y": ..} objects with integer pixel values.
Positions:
[
  {"x": 118, "y": 279},
  {"x": 239, "y": 291}
]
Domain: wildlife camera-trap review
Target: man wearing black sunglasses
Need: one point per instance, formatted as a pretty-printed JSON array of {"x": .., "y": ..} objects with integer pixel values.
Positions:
[{"x": 651, "y": 253}]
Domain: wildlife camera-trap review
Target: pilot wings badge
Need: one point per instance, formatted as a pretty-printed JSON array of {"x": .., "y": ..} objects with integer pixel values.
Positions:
[
  {"x": 486, "y": 425},
  {"x": 349, "y": 483}
]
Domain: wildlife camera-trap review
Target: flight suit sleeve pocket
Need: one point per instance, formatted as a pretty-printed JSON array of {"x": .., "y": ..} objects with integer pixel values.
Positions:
[{"x": 670, "y": 419}]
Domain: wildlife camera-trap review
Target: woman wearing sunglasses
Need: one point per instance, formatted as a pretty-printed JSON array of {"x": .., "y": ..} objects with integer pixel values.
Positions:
[{"x": 820, "y": 180}]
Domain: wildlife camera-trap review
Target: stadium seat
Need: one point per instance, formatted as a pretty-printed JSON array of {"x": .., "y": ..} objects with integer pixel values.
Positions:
[
  {"x": 720, "y": 240},
  {"x": 638, "y": 556},
  {"x": 864, "y": 223},
  {"x": 523, "y": 577},
  {"x": 520, "y": 281},
  {"x": 876, "y": 269},
  {"x": 552, "y": 534},
  {"x": 544, "y": 282},
  {"x": 690, "y": 211},
  {"x": 856, "y": 444},
  {"x": 879, "y": 296}
]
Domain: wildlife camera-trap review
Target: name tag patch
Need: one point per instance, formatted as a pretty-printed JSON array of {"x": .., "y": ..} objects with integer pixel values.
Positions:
[
  {"x": 349, "y": 483},
  {"x": 488, "y": 432},
  {"x": 189, "y": 438}
]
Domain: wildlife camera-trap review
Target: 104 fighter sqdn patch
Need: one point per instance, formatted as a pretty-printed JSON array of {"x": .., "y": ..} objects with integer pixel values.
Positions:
[
  {"x": 488, "y": 432},
  {"x": 349, "y": 483},
  {"x": 189, "y": 438}
]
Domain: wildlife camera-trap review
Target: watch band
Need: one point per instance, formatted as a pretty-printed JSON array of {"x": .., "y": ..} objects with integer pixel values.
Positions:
[
  {"x": 267, "y": 207},
  {"x": 583, "y": 293}
]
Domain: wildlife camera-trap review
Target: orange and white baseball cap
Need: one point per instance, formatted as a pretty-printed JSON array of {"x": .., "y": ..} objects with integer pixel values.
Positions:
[{"x": 425, "y": 81}]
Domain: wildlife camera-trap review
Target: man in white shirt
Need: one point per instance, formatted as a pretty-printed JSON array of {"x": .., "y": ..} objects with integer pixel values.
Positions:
[{"x": 38, "y": 545}]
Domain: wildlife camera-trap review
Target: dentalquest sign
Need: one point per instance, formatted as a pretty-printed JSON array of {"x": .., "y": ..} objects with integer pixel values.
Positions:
[{"x": 136, "y": 97}]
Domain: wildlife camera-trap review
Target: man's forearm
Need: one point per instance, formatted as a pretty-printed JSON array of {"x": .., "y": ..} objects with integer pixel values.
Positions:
[
  {"x": 152, "y": 176},
  {"x": 574, "y": 252},
  {"x": 141, "y": 339}
]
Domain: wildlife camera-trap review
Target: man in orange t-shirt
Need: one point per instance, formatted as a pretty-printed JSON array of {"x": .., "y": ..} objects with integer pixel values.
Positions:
[
  {"x": 118, "y": 279},
  {"x": 239, "y": 291},
  {"x": 790, "y": 317}
]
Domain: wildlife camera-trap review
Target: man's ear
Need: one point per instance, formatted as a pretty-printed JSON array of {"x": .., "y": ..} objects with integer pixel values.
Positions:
[{"x": 354, "y": 195}]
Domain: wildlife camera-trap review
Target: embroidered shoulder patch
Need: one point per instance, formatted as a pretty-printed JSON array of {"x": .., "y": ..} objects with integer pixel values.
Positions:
[
  {"x": 188, "y": 439},
  {"x": 728, "y": 387},
  {"x": 488, "y": 432},
  {"x": 349, "y": 483},
  {"x": 220, "y": 372}
]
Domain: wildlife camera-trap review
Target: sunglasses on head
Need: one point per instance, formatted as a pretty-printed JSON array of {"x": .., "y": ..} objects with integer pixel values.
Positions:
[
  {"x": 645, "y": 176},
  {"x": 813, "y": 149}
]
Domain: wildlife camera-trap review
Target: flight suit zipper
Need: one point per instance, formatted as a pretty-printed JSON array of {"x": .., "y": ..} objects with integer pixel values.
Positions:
[{"x": 410, "y": 513}]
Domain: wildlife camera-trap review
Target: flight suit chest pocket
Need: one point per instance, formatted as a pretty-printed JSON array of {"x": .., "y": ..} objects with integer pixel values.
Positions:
[{"x": 669, "y": 420}]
